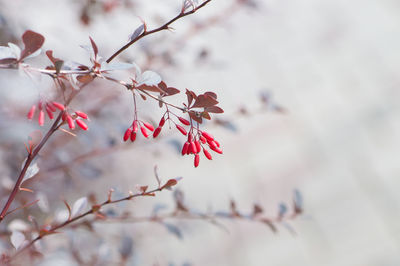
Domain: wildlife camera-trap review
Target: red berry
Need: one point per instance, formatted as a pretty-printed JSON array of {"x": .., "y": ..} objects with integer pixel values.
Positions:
[
  {"x": 59, "y": 106},
  {"x": 81, "y": 114},
  {"x": 203, "y": 139},
  {"x": 207, "y": 136},
  {"x": 207, "y": 154},
  {"x": 211, "y": 143},
  {"x": 31, "y": 112},
  {"x": 185, "y": 148},
  {"x": 70, "y": 122},
  {"x": 216, "y": 143},
  {"x": 181, "y": 129},
  {"x": 148, "y": 126},
  {"x": 51, "y": 107},
  {"x": 41, "y": 118},
  {"x": 216, "y": 149},
  {"x": 81, "y": 124},
  {"x": 198, "y": 146},
  {"x": 189, "y": 150},
  {"x": 128, "y": 133},
  {"x": 196, "y": 160},
  {"x": 190, "y": 137},
  {"x": 133, "y": 136},
  {"x": 157, "y": 132},
  {"x": 49, "y": 113},
  {"x": 193, "y": 147},
  {"x": 184, "y": 121},
  {"x": 162, "y": 122},
  {"x": 144, "y": 132},
  {"x": 135, "y": 126}
]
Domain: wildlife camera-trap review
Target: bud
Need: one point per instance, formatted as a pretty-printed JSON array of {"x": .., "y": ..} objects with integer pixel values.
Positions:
[
  {"x": 181, "y": 129},
  {"x": 59, "y": 106},
  {"x": 207, "y": 154},
  {"x": 196, "y": 160},
  {"x": 148, "y": 126},
  {"x": 41, "y": 118},
  {"x": 207, "y": 136},
  {"x": 81, "y": 114},
  {"x": 31, "y": 112},
  {"x": 157, "y": 132},
  {"x": 184, "y": 121},
  {"x": 128, "y": 133},
  {"x": 144, "y": 132},
  {"x": 185, "y": 148},
  {"x": 81, "y": 124}
]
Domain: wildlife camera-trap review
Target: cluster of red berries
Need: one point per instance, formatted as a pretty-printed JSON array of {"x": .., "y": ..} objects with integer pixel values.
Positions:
[
  {"x": 195, "y": 143},
  {"x": 130, "y": 133},
  {"x": 51, "y": 107}
]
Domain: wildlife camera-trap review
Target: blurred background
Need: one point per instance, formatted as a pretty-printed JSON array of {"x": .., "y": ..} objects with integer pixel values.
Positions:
[{"x": 310, "y": 93}]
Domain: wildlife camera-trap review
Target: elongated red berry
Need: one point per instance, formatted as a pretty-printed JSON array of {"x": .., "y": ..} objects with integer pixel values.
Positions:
[
  {"x": 216, "y": 149},
  {"x": 185, "y": 148},
  {"x": 198, "y": 146},
  {"x": 148, "y": 126},
  {"x": 162, "y": 122},
  {"x": 216, "y": 143},
  {"x": 128, "y": 133},
  {"x": 81, "y": 124},
  {"x": 70, "y": 122},
  {"x": 193, "y": 147},
  {"x": 181, "y": 129},
  {"x": 144, "y": 132},
  {"x": 81, "y": 114},
  {"x": 133, "y": 136},
  {"x": 196, "y": 160},
  {"x": 157, "y": 132},
  {"x": 207, "y": 136},
  {"x": 41, "y": 118},
  {"x": 31, "y": 112},
  {"x": 189, "y": 150},
  {"x": 49, "y": 113},
  {"x": 135, "y": 126},
  {"x": 207, "y": 154},
  {"x": 190, "y": 137},
  {"x": 58, "y": 106},
  {"x": 203, "y": 139},
  {"x": 211, "y": 143},
  {"x": 51, "y": 107},
  {"x": 184, "y": 121}
]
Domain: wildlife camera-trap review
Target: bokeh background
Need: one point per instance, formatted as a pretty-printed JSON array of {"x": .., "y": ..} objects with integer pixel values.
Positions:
[{"x": 330, "y": 128}]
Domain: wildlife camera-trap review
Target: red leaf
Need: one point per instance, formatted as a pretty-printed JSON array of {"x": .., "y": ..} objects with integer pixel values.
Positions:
[
  {"x": 171, "y": 91},
  {"x": 95, "y": 50},
  {"x": 204, "y": 100},
  {"x": 149, "y": 88},
  {"x": 53, "y": 59},
  {"x": 190, "y": 95},
  {"x": 85, "y": 78},
  {"x": 214, "y": 109},
  {"x": 196, "y": 118},
  {"x": 170, "y": 183},
  {"x": 33, "y": 41},
  {"x": 212, "y": 94},
  {"x": 8, "y": 61},
  {"x": 206, "y": 115}
]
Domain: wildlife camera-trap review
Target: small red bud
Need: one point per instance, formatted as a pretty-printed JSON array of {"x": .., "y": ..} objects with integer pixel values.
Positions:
[
  {"x": 81, "y": 114},
  {"x": 203, "y": 139},
  {"x": 70, "y": 122},
  {"x": 181, "y": 129},
  {"x": 207, "y": 154},
  {"x": 198, "y": 146},
  {"x": 148, "y": 126},
  {"x": 157, "y": 132},
  {"x": 133, "y": 137},
  {"x": 41, "y": 118},
  {"x": 135, "y": 126},
  {"x": 128, "y": 133},
  {"x": 81, "y": 124},
  {"x": 162, "y": 122},
  {"x": 51, "y": 107},
  {"x": 144, "y": 132},
  {"x": 49, "y": 113},
  {"x": 185, "y": 148},
  {"x": 193, "y": 147},
  {"x": 184, "y": 121},
  {"x": 196, "y": 160},
  {"x": 207, "y": 136},
  {"x": 59, "y": 106},
  {"x": 216, "y": 149},
  {"x": 31, "y": 112}
]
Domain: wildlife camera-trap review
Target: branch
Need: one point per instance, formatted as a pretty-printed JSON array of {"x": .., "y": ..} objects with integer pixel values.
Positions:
[{"x": 163, "y": 27}]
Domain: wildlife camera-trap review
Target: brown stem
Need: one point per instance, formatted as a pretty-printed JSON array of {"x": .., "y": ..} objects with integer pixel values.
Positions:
[{"x": 163, "y": 27}]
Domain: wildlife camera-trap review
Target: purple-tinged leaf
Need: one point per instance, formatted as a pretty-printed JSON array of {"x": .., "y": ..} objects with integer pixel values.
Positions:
[
  {"x": 33, "y": 41},
  {"x": 137, "y": 32}
]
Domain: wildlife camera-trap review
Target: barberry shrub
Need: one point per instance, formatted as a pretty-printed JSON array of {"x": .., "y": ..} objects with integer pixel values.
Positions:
[{"x": 55, "y": 112}]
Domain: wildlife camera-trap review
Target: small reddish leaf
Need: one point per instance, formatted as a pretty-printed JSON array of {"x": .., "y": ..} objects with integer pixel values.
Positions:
[
  {"x": 195, "y": 117},
  {"x": 204, "y": 101},
  {"x": 149, "y": 88},
  {"x": 206, "y": 115},
  {"x": 95, "y": 50},
  {"x": 214, "y": 109},
  {"x": 170, "y": 183},
  {"x": 8, "y": 61},
  {"x": 85, "y": 78},
  {"x": 33, "y": 41},
  {"x": 211, "y": 94},
  {"x": 257, "y": 209},
  {"x": 190, "y": 96}
]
